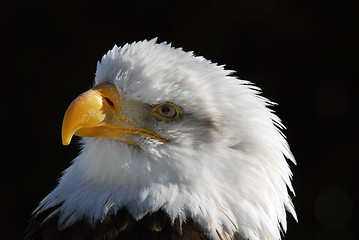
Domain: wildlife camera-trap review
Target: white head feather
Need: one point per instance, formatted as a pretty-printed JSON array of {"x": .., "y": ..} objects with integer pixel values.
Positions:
[{"x": 224, "y": 165}]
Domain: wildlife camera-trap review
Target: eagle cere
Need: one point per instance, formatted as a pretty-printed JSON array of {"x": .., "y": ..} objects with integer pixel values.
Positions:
[{"x": 173, "y": 147}]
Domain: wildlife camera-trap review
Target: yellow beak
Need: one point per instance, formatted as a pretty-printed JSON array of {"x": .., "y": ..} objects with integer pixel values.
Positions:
[{"x": 99, "y": 113}]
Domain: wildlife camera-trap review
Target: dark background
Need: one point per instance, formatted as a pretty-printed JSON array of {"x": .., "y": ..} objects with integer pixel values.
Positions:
[{"x": 301, "y": 53}]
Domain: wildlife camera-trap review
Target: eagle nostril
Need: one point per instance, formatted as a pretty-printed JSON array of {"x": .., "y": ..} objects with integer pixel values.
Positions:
[{"x": 109, "y": 102}]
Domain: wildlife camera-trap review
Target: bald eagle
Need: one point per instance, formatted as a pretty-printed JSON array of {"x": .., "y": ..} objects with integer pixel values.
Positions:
[{"x": 173, "y": 147}]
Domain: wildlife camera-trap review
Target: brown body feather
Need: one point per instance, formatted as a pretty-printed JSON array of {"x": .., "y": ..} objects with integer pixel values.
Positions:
[{"x": 118, "y": 226}]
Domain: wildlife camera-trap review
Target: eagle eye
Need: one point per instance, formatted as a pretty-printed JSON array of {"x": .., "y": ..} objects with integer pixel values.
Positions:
[{"x": 166, "y": 111}]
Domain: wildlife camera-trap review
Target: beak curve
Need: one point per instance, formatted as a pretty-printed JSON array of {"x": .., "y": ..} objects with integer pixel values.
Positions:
[{"x": 98, "y": 113}]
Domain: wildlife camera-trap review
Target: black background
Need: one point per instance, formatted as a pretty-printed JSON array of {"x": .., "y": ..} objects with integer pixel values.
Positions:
[{"x": 301, "y": 53}]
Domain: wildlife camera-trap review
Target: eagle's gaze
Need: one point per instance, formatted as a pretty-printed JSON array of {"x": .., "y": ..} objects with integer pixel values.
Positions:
[{"x": 221, "y": 172}]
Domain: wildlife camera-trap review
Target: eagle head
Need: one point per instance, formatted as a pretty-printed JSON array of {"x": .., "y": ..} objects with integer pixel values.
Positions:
[{"x": 164, "y": 130}]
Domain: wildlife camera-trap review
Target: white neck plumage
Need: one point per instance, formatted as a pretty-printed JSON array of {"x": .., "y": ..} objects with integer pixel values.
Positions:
[{"x": 111, "y": 175}]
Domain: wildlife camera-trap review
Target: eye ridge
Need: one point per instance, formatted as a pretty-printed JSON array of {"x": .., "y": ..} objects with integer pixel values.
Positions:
[{"x": 166, "y": 111}]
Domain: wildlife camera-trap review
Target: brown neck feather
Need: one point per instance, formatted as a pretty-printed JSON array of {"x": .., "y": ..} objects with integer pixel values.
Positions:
[{"x": 117, "y": 226}]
